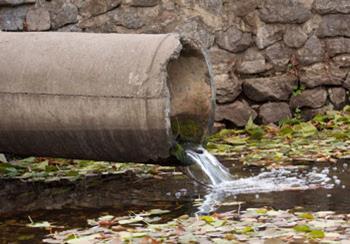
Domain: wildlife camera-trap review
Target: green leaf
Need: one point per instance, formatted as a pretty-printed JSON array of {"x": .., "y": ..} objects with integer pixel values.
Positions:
[
  {"x": 286, "y": 131},
  {"x": 247, "y": 229},
  {"x": 305, "y": 129},
  {"x": 70, "y": 237},
  {"x": 41, "y": 166},
  {"x": 306, "y": 216},
  {"x": 302, "y": 228},
  {"x": 72, "y": 173},
  {"x": 254, "y": 131},
  {"x": 8, "y": 169},
  {"x": 261, "y": 211},
  {"x": 218, "y": 223},
  {"x": 236, "y": 140},
  {"x": 207, "y": 219},
  {"x": 346, "y": 108},
  {"x": 316, "y": 234}
]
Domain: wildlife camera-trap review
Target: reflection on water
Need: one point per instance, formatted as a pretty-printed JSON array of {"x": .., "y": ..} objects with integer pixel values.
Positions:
[{"x": 314, "y": 188}]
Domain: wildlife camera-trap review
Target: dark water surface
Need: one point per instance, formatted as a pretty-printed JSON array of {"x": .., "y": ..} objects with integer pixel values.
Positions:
[{"x": 70, "y": 204}]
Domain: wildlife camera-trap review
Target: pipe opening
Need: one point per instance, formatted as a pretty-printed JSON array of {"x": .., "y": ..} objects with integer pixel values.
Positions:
[{"x": 191, "y": 98}]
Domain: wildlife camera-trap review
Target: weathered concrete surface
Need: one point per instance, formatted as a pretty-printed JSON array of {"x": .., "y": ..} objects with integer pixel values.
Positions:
[{"x": 98, "y": 96}]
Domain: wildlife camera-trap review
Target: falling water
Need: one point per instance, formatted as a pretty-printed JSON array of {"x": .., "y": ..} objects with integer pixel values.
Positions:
[
  {"x": 215, "y": 171},
  {"x": 223, "y": 184}
]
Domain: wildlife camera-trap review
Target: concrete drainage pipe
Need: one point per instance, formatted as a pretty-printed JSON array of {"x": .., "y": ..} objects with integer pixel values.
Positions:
[{"x": 114, "y": 97}]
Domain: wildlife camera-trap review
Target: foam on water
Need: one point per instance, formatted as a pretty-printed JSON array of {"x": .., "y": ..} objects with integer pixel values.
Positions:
[{"x": 223, "y": 184}]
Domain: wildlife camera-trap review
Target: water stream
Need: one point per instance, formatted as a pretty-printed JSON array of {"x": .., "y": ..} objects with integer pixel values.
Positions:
[
  {"x": 209, "y": 164},
  {"x": 223, "y": 184}
]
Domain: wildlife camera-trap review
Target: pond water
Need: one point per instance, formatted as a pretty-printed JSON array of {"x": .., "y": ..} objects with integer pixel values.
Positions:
[{"x": 310, "y": 187}]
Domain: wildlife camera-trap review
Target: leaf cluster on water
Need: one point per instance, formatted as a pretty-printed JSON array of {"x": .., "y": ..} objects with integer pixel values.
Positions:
[
  {"x": 325, "y": 138},
  {"x": 251, "y": 226}
]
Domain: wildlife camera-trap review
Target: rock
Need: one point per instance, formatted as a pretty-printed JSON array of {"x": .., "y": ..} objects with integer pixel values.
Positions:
[
  {"x": 238, "y": 113},
  {"x": 61, "y": 13},
  {"x": 312, "y": 52},
  {"x": 274, "y": 112},
  {"x": 252, "y": 62},
  {"x": 222, "y": 60},
  {"x": 332, "y": 6},
  {"x": 95, "y": 7},
  {"x": 12, "y": 19},
  {"x": 279, "y": 55},
  {"x": 130, "y": 18},
  {"x": 334, "y": 25},
  {"x": 267, "y": 35},
  {"x": 311, "y": 26},
  {"x": 294, "y": 37},
  {"x": 144, "y": 3},
  {"x": 321, "y": 74},
  {"x": 38, "y": 19},
  {"x": 211, "y": 6},
  {"x": 309, "y": 113},
  {"x": 284, "y": 11},
  {"x": 337, "y": 96},
  {"x": 217, "y": 127},
  {"x": 100, "y": 23},
  {"x": 71, "y": 28},
  {"x": 195, "y": 29},
  {"x": 243, "y": 7},
  {"x": 15, "y": 2},
  {"x": 310, "y": 98},
  {"x": 337, "y": 46},
  {"x": 346, "y": 83},
  {"x": 233, "y": 40},
  {"x": 277, "y": 88},
  {"x": 342, "y": 61},
  {"x": 227, "y": 88}
]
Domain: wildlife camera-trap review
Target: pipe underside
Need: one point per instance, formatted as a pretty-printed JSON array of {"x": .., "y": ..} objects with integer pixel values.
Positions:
[{"x": 99, "y": 96}]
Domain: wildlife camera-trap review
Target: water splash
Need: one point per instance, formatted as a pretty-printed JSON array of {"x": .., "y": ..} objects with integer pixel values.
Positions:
[
  {"x": 273, "y": 181},
  {"x": 224, "y": 185}
]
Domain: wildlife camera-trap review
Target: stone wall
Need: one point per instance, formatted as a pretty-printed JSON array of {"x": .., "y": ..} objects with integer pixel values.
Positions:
[{"x": 271, "y": 58}]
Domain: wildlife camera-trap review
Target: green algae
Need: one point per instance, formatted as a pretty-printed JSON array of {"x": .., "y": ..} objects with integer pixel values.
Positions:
[{"x": 187, "y": 130}]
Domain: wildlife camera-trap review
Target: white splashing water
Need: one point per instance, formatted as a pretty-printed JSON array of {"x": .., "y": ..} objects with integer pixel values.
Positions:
[
  {"x": 225, "y": 185},
  {"x": 209, "y": 164}
]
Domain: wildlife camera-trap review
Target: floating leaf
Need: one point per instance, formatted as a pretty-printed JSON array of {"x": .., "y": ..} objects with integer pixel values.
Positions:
[
  {"x": 306, "y": 129},
  {"x": 131, "y": 220},
  {"x": 261, "y": 211},
  {"x": 44, "y": 224},
  {"x": 316, "y": 234},
  {"x": 306, "y": 216},
  {"x": 207, "y": 219},
  {"x": 158, "y": 211},
  {"x": 302, "y": 228},
  {"x": 255, "y": 131}
]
